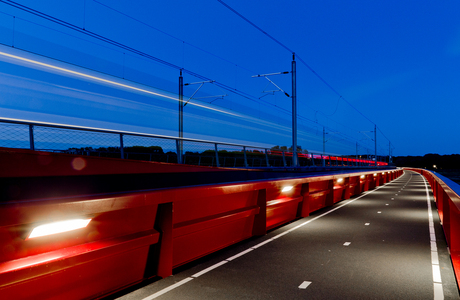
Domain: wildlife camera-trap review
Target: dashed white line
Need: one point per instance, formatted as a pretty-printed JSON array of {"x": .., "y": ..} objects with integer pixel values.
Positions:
[
  {"x": 367, "y": 224},
  {"x": 304, "y": 284},
  {"x": 263, "y": 243},
  {"x": 169, "y": 288},
  {"x": 347, "y": 243},
  {"x": 307, "y": 283},
  {"x": 209, "y": 269},
  {"x": 240, "y": 254}
]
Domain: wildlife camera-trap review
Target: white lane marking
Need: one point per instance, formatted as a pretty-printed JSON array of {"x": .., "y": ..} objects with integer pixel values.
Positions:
[
  {"x": 165, "y": 290},
  {"x": 387, "y": 204},
  {"x": 367, "y": 224},
  {"x": 347, "y": 243},
  {"x": 436, "y": 274},
  {"x": 261, "y": 244},
  {"x": 434, "y": 258},
  {"x": 437, "y": 281},
  {"x": 392, "y": 198},
  {"x": 239, "y": 254},
  {"x": 209, "y": 269},
  {"x": 280, "y": 235},
  {"x": 379, "y": 212},
  {"x": 304, "y": 284},
  {"x": 438, "y": 293}
]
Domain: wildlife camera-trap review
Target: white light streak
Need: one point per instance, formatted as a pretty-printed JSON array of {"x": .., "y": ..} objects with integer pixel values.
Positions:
[
  {"x": 287, "y": 188},
  {"x": 58, "y": 227}
]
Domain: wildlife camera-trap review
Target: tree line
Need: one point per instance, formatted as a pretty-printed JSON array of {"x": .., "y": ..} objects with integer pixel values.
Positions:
[{"x": 429, "y": 161}]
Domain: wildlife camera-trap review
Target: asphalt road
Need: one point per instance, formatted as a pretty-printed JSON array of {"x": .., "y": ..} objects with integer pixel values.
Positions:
[{"x": 378, "y": 245}]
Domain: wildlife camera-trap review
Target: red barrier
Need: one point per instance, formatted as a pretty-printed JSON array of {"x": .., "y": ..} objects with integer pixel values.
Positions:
[
  {"x": 448, "y": 204},
  {"x": 137, "y": 235}
]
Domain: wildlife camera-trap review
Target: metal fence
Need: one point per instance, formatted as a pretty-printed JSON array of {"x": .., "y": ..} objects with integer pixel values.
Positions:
[{"x": 81, "y": 140}]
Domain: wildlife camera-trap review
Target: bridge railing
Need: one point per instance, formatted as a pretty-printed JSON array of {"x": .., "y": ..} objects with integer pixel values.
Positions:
[
  {"x": 133, "y": 235},
  {"x": 447, "y": 196},
  {"x": 141, "y": 146}
]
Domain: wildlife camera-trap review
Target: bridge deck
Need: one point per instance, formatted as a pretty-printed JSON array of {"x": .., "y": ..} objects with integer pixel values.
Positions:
[{"x": 374, "y": 246}]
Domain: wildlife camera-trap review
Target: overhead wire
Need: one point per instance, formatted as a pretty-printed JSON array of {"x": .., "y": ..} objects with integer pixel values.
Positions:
[
  {"x": 148, "y": 56},
  {"x": 298, "y": 57},
  {"x": 130, "y": 49}
]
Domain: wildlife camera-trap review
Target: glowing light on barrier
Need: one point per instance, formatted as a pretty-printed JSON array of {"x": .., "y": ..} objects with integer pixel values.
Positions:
[
  {"x": 375, "y": 174},
  {"x": 287, "y": 188},
  {"x": 58, "y": 227},
  {"x": 339, "y": 180},
  {"x": 362, "y": 176}
]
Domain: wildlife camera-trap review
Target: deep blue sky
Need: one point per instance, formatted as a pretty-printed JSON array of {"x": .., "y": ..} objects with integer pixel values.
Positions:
[{"x": 398, "y": 62}]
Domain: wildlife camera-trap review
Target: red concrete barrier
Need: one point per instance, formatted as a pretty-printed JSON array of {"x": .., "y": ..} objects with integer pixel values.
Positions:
[
  {"x": 133, "y": 236},
  {"x": 448, "y": 204}
]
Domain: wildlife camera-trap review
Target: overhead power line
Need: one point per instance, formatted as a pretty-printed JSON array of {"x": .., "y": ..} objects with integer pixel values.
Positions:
[
  {"x": 298, "y": 57},
  {"x": 148, "y": 56}
]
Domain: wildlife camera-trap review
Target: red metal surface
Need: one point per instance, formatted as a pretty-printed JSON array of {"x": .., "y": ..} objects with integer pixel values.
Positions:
[
  {"x": 134, "y": 236},
  {"x": 448, "y": 204}
]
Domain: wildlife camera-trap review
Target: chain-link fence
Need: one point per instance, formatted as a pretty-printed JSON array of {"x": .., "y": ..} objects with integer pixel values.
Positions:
[{"x": 147, "y": 147}]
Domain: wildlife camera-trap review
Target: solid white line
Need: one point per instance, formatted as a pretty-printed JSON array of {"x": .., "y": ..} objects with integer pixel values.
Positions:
[
  {"x": 281, "y": 234},
  {"x": 209, "y": 269},
  {"x": 438, "y": 293},
  {"x": 239, "y": 254},
  {"x": 165, "y": 290},
  {"x": 304, "y": 284},
  {"x": 437, "y": 281},
  {"x": 434, "y": 258},
  {"x": 436, "y": 274},
  {"x": 261, "y": 244}
]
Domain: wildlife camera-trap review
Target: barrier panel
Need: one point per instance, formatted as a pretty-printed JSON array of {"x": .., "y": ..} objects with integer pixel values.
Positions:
[
  {"x": 134, "y": 235},
  {"x": 447, "y": 197}
]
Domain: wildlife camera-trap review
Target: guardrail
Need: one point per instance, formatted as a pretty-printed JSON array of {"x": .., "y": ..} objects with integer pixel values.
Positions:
[
  {"x": 447, "y": 196},
  {"x": 133, "y": 236},
  {"x": 133, "y": 145}
]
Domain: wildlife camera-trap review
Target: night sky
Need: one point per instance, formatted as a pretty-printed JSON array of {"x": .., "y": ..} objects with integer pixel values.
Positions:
[{"x": 390, "y": 63}]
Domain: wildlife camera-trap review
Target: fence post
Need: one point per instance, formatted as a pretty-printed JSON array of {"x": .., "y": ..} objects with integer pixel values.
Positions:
[
  {"x": 312, "y": 160},
  {"x": 122, "y": 152},
  {"x": 266, "y": 158},
  {"x": 31, "y": 137},
  {"x": 179, "y": 156},
  {"x": 245, "y": 158},
  {"x": 284, "y": 160},
  {"x": 217, "y": 156}
]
